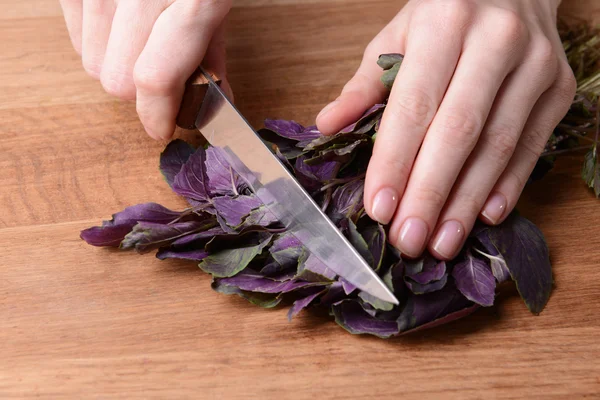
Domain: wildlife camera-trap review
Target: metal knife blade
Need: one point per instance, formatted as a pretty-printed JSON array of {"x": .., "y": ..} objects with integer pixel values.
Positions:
[{"x": 223, "y": 126}]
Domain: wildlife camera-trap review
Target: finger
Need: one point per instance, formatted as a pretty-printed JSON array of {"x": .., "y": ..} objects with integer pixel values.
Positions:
[
  {"x": 73, "y": 12},
  {"x": 546, "y": 115},
  {"x": 131, "y": 27},
  {"x": 365, "y": 87},
  {"x": 431, "y": 56},
  {"x": 176, "y": 47},
  {"x": 215, "y": 59},
  {"x": 512, "y": 107},
  {"x": 97, "y": 21},
  {"x": 452, "y": 136}
]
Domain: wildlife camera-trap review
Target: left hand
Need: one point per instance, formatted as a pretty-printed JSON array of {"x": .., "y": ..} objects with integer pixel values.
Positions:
[{"x": 481, "y": 88}]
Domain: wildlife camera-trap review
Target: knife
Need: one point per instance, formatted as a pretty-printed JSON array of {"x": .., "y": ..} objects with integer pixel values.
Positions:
[{"x": 206, "y": 108}]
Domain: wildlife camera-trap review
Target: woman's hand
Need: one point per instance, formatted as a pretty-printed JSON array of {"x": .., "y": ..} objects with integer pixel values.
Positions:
[
  {"x": 482, "y": 86},
  {"x": 146, "y": 50}
]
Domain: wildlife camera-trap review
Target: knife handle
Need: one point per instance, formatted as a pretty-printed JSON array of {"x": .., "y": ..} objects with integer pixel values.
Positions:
[{"x": 193, "y": 96}]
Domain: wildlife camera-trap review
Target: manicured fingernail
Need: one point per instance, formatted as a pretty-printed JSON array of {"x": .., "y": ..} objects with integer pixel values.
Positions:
[
  {"x": 384, "y": 205},
  {"x": 449, "y": 238},
  {"x": 328, "y": 108},
  {"x": 495, "y": 208},
  {"x": 412, "y": 237}
]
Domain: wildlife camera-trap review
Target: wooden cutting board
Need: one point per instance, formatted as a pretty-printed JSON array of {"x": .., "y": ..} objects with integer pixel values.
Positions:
[{"x": 81, "y": 322}]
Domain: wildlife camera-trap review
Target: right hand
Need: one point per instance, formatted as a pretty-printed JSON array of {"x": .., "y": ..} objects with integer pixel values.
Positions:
[{"x": 146, "y": 50}]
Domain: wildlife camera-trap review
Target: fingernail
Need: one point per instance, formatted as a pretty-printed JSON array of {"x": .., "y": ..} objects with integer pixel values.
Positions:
[
  {"x": 495, "y": 208},
  {"x": 449, "y": 238},
  {"x": 384, "y": 205},
  {"x": 328, "y": 108},
  {"x": 412, "y": 237}
]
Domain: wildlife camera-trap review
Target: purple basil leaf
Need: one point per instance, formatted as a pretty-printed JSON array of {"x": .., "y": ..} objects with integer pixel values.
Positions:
[
  {"x": 288, "y": 137},
  {"x": 475, "y": 281},
  {"x": 416, "y": 266},
  {"x": 199, "y": 239},
  {"x": 112, "y": 232},
  {"x": 422, "y": 288},
  {"x": 527, "y": 258},
  {"x": 453, "y": 316},
  {"x": 191, "y": 181},
  {"x": 423, "y": 309},
  {"x": 375, "y": 302},
  {"x": 311, "y": 269},
  {"x": 147, "y": 236},
  {"x": 376, "y": 240},
  {"x": 309, "y": 134},
  {"x": 431, "y": 270},
  {"x": 280, "y": 145},
  {"x": 258, "y": 283},
  {"x": 367, "y": 121},
  {"x": 389, "y": 76},
  {"x": 357, "y": 241},
  {"x": 347, "y": 200},
  {"x": 273, "y": 269},
  {"x": 173, "y": 157},
  {"x": 261, "y": 216},
  {"x": 591, "y": 171},
  {"x": 497, "y": 261},
  {"x": 394, "y": 279},
  {"x": 284, "y": 128},
  {"x": 339, "y": 153},
  {"x": 286, "y": 250},
  {"x": 340, "y": 140},
  {"x": 222, "y": 179},
  {"x": 194, "y": 255},
  {"x": 333, "y": 294},
  {"x": 351, "y": 316},
  {"x": 313, "y": 176},
  {"x": 248, "y": 236},
  {"x": 301, "y": 304},
  {"x": 234, "y": 209},
  {"x": 387, "y": 61},
  {"x": 229, "y": 262},
  {"x": 265, "y": 300},
  {"x": 282, "y": 276}
]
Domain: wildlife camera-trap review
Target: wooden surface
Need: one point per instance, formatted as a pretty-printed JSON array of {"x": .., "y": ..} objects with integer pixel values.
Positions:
[{"x": 81, "y": 322}]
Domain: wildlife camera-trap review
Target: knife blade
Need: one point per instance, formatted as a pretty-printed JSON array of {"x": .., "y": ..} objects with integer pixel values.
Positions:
[{"x": 224, "y": 126}]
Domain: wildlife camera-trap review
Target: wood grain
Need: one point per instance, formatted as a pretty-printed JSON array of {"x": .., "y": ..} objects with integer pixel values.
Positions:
[{"x": 80, "y": 322}]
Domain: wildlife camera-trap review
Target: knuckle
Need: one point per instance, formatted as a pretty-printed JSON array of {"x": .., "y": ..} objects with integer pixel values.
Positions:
[
  {"x": 117, "y": 84},
  {"x": 534, "y": 141},
  {"x": 430, "y": 197},
  {"x": 153, "y": 80},
  {"x": 508, "y": 28},
  {"x": 544, "y": 52},
  {"x": 92, "y": 69},
  {"x": 517, "y": 181},
  {"x": 211, "y": 8},
  {"x": 414, "y": 106},
  {"x": 455, "y": 14},
  {"x": 460, "y": 126},
  {"x": 92, "y": 66},
  {"x": 358, "y": 82},
  {"x": 544, "y": 59},
  {"x": 397, "y": 166},
  {"x": 503, "y": 141},
  {"x": 469, "y": 202},
  {"x": 566, "y": 83}
]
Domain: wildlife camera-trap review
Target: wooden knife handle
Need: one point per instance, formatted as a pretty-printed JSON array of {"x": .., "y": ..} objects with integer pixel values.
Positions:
[{"x": 195, "y": 90}]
